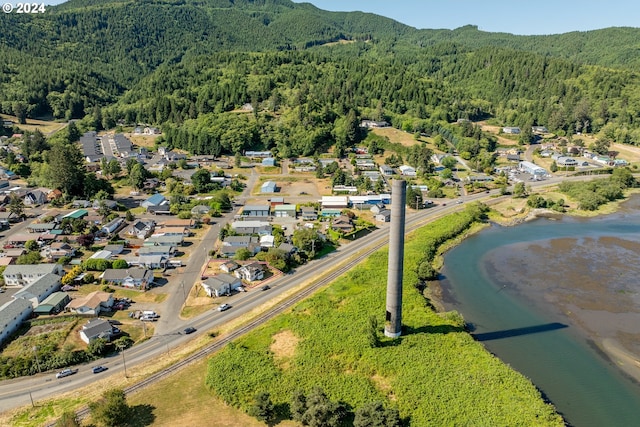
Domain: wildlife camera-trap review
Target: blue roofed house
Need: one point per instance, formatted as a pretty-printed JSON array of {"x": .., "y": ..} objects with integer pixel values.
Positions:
[{"x": 155, "y": 200}]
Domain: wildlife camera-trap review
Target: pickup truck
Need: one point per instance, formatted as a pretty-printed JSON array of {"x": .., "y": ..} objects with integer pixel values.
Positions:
[{"x": 66, "y": 373}]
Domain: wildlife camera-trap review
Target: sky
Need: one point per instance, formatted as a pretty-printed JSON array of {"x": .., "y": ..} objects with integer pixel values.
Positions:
[{"x": 507, "y": 16}]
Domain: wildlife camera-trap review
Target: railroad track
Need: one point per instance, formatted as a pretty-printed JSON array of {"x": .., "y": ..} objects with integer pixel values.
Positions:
[{"x": 378, "y": 242}]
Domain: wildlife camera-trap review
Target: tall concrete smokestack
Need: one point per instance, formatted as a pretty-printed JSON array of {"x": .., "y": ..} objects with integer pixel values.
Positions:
[{"x": 393, "y": 320}]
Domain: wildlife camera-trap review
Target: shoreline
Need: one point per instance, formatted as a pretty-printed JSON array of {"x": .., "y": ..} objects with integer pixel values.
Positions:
[{"x": 611, "y": 347}]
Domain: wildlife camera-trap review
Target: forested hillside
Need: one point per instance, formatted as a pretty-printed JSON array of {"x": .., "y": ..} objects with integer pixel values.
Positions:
[{"x": 184, "y": 64}]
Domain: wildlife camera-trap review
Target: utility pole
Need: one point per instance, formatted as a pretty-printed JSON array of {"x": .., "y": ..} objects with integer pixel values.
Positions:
[{"x": 35, "y": 352}]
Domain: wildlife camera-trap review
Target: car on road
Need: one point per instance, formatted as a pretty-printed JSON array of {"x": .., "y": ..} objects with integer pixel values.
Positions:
[
  {"x": 66, "y": 373},
  {"x": 265, "y": 288},
  {"x": 98, "y": 369},
  {"x": 223, "y": 307},
  {"x": 189, "y": 330}
]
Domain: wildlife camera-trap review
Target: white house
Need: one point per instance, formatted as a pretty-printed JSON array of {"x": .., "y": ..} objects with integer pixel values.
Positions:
[
  {"x": 511, "y": 130},
  {"x": 92, "y": 303},
  {"x": 139, "y": 278},
  {"x": 96, "y": 328},
  {"x": 221, "y": 284},
  {"x": 268, "y": 187},
  {"x": 250, "y": 272},
  {"x": 407, "y": 170},
  {"x": 112, "y": 226}
]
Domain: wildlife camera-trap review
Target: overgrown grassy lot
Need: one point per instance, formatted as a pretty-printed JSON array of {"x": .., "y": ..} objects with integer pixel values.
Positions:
[{"x": 435, "y": 374}]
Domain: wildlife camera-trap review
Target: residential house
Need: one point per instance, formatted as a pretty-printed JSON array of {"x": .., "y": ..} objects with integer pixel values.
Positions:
[
  {"x": 172, "y": 231},
  {"x": 371, "y": 124},
  {"x": 92, "y": 303},
  {"x": 151, "y": 261},
  {"x": 165, "y": 251},
  {"x": 258, "y": 154},
  {"x": 383, "y": 216},
  {"x": 377, "y": 208},
  {"x": 229, "y": 266},
  {"x": 35, "y": 198},
  {"x": 139, "y": 278},
  {"x": 308, "y": 213},
  {"x": 180, "y": 223},
  {"x": 268, "y": 187},
  {"x": 103, "y": 254},
  {"x": 267, "y": 241},
  {"x": 40, "y": 289},
  {"x": 511, "y": 130},
  {"x": 221, "y": 284},
  {"x": 115, "y": 248},
  {"x": 164, "y": 240},
  {"x": 25, "y": 274},
  {"x": 251, "y": 227},
  {"x": 155, "y": 200},
  {"x": 12, "y": 314},
  {"x": 141, "y": 229},
  {"x": 112, "y": 226},
  {"x": 386, "y": 170},
  {"x": 95, "y": 329},
  {"x": 342, "y": 224},
  {"x": 287, "y": 248},
  {"x": 250, "y": 272},
  {"x": 539, "y": 129},
  {"x": 200, "y": 210},
  {"x": 19, "y": 240},
  {"x": 406, "y": 170},
  {"x": 111, "y": 204},
  {"x": 57, "y": 250},
  {"x": 41, "y": 228}
]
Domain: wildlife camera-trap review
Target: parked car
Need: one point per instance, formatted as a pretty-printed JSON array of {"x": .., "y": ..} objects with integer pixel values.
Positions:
[
  {"x": 98, "y": 369},
  {"x": 265, "y": 288},
  {"x": 189, "y": 330},
  {"x": 66, "y": 373},
  {"x": 223, "y": 307},
  {"x": 149, "y": 319}
]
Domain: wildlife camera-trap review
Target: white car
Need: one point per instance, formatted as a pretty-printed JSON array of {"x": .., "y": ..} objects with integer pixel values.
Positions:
[
  {"x": 223, "y": 307},
  {"x": 66, "y": 373}
]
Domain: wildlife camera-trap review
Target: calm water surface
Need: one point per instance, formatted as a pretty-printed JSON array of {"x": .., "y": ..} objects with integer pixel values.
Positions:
[{"x": 535, "y": 338}]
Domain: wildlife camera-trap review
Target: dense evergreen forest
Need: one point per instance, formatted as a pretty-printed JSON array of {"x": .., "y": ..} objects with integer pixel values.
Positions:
[{"x": 310, "y": 75}]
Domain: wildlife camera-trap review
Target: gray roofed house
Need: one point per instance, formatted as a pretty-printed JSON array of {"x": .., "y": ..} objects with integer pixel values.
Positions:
[
  {"x": 221, "y": 284},
  {"x": 91, "y": 147},
  {"x": 141, "y": 229},
  {"x": 165, "y": 251},
  {"x": 164, "y": 241},
  {"x": 35, "y": 198},
  {"x": 287, "y": 248},
  {"x": 383, "y": 215},
  {"x": 151, "y": 261},
  {"x": 40, "y": 289},
  {"x": 134, "y": 277},
  {"x": 115, "y": 249},
  {"x": 308, "y": 213},
  {"x": 240, "y": 240},
  {"x": 12, "y": 314},
  {"x": 251, "y": 227},
  {"x": 25, "y": 274},
  {"x": 96, "y": 328},
  {"x": 41, "y": 228}
]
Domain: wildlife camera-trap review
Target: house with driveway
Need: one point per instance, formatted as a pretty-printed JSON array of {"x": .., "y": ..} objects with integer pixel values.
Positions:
[
  {"x": 139, "y": 278},
  {"x": 95, "y": 329},
  {"x": 93, "y": 303},
  {"x": 221, "y": 284}
]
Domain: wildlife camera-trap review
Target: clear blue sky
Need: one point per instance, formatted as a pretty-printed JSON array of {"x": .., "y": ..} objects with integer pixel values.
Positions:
[{"x": 507, "y": 16}]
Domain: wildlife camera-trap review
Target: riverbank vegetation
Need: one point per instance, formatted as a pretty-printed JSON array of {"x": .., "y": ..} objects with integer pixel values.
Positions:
[
  {"x": 590, "y": 195},
  {"x": 435, "y": 374}
]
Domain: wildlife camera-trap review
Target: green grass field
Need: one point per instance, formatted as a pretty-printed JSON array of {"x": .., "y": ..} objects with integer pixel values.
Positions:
[{"x": 435, "y": 374}]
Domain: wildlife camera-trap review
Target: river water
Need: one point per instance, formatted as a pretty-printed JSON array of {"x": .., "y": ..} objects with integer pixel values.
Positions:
[{"x": 559, "y": 301}]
